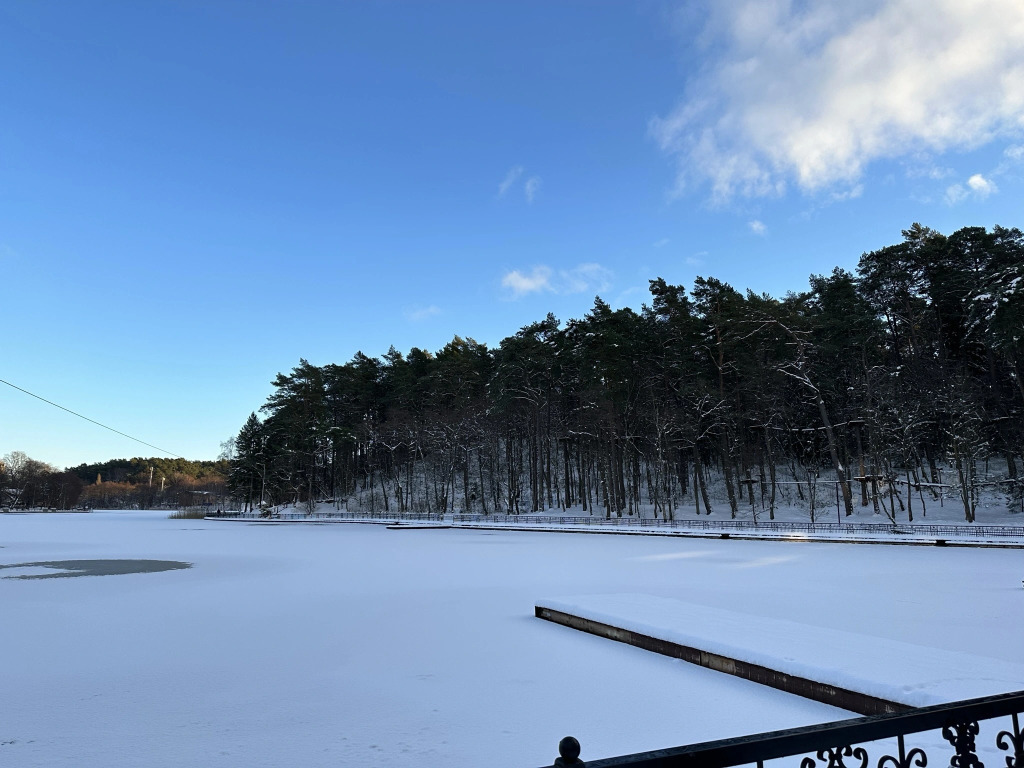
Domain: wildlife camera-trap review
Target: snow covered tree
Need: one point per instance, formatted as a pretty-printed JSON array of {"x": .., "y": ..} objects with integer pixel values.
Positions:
[{"x": 247, "y": 478}]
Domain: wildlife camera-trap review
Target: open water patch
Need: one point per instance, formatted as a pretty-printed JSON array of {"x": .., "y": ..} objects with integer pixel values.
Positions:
[{"x": 64, "y": 569}]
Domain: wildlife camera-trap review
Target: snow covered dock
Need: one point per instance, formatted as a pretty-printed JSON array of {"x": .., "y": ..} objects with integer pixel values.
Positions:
[{"x": 853, "y": 671}]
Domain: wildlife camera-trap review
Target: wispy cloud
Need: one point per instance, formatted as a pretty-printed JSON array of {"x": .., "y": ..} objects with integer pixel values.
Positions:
[
  {"x": 955, "y": 193},
  {"x": 758, "y": 227},
  {"x": 697, "y": 260},
  {"x": 661, "y": 243},
  {"x": 812, "y": 93},
  {"x": 521, "y": 283},
  {"x": 850, "y": 193},
  {"x": 629, "y": 296},
  {"x": 977, "y": 186},
  {"x": 510, "y": 178},
  {"x": 418, "y": 314},
  {"x": 582, "y": 278},
  {"x": 531, "y": 188},
  {"x": 922, "y": 166},
  {"x": 1015, "y": 152}
]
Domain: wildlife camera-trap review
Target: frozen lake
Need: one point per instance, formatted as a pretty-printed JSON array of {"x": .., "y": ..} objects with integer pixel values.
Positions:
[{"x": 353, "y": 645}]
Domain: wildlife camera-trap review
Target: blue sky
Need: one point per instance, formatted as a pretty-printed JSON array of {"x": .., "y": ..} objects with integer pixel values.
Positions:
[{"x": 193, "y": 196}]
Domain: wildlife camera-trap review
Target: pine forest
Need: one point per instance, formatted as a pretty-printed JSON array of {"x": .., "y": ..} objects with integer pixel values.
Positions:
[{"x": 868, "y": 391}]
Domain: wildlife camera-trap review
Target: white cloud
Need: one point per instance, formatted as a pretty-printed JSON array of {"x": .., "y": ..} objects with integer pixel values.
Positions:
[
  {"x": 1015, "y": 152},
  {"x": 977, "y": 186},
  {"x": 982, "y": 187},
  {"x": 812, "y": 93},
  {"x": 531, "y": 188},
  {"x": 418, "y": 314},
  {"x": 662, "y": 243},
  {"x": 510, "y": 178},
  {"x": 583, "y": 278},
  {"x": 521, "y": 284},
  {"x": 757, "y": 227}
]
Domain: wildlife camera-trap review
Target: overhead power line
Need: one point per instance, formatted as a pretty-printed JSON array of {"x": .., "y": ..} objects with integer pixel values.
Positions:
[{"x": 92, "y": 421}]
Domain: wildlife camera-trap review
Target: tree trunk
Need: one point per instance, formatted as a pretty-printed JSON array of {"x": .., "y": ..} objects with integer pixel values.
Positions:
[{"x": 840, "y": 472}]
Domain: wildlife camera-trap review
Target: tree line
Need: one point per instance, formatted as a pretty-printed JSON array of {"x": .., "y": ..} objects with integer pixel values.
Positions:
[
  {"x": 138, "y": 470},
  {"x": 28, "y": 483},
  {"x": 896, "y": 384},
  {"x": 139, "y": 483}
]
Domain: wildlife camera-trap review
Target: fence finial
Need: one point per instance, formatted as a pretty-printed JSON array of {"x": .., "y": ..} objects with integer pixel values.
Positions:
[{"x": 569, "y": 749}]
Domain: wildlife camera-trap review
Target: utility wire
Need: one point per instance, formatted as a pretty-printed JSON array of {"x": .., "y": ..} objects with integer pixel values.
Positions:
[{"x": 73, "y": 413}]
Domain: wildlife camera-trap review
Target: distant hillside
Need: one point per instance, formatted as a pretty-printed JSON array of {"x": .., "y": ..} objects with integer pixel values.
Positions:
[{"x": 138, "y": 470}]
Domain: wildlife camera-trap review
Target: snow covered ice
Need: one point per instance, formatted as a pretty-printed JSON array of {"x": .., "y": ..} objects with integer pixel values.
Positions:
[{"x": 353, "y": 645}]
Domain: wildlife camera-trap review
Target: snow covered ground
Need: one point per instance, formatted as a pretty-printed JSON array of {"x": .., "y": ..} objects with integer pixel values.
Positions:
[
  {"x": 940, "y": 504},
  {"x": 353, "y": 645},
  {"x": 927, "y": 508}
]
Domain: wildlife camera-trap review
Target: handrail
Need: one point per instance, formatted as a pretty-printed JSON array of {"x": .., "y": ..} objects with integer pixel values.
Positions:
[
  {"x": 832, "y": 742},
  {"x": 777, "y": 526}
]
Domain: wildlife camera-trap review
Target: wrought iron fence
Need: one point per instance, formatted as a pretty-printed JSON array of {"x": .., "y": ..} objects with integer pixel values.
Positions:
[
  {"x": 841, "y": 744},
  {"x": 888, "y": 529},
  {"x": 632, "y": 521}
]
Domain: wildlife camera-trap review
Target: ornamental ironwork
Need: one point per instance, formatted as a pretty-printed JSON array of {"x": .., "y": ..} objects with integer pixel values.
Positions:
[
  {"x": 961, "y": 723},
  {"x": 1015, "y": 739}
]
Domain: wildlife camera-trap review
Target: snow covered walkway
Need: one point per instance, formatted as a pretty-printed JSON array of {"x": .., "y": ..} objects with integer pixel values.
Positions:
[
  {"x": 1007, "y": 537},
  {"x": 753, "y": 534}
]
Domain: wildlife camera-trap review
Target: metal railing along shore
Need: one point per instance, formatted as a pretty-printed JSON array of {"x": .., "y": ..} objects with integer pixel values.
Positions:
[
  {"x": 938, "y": 531},
  {"x": 776, "y": 526}
]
